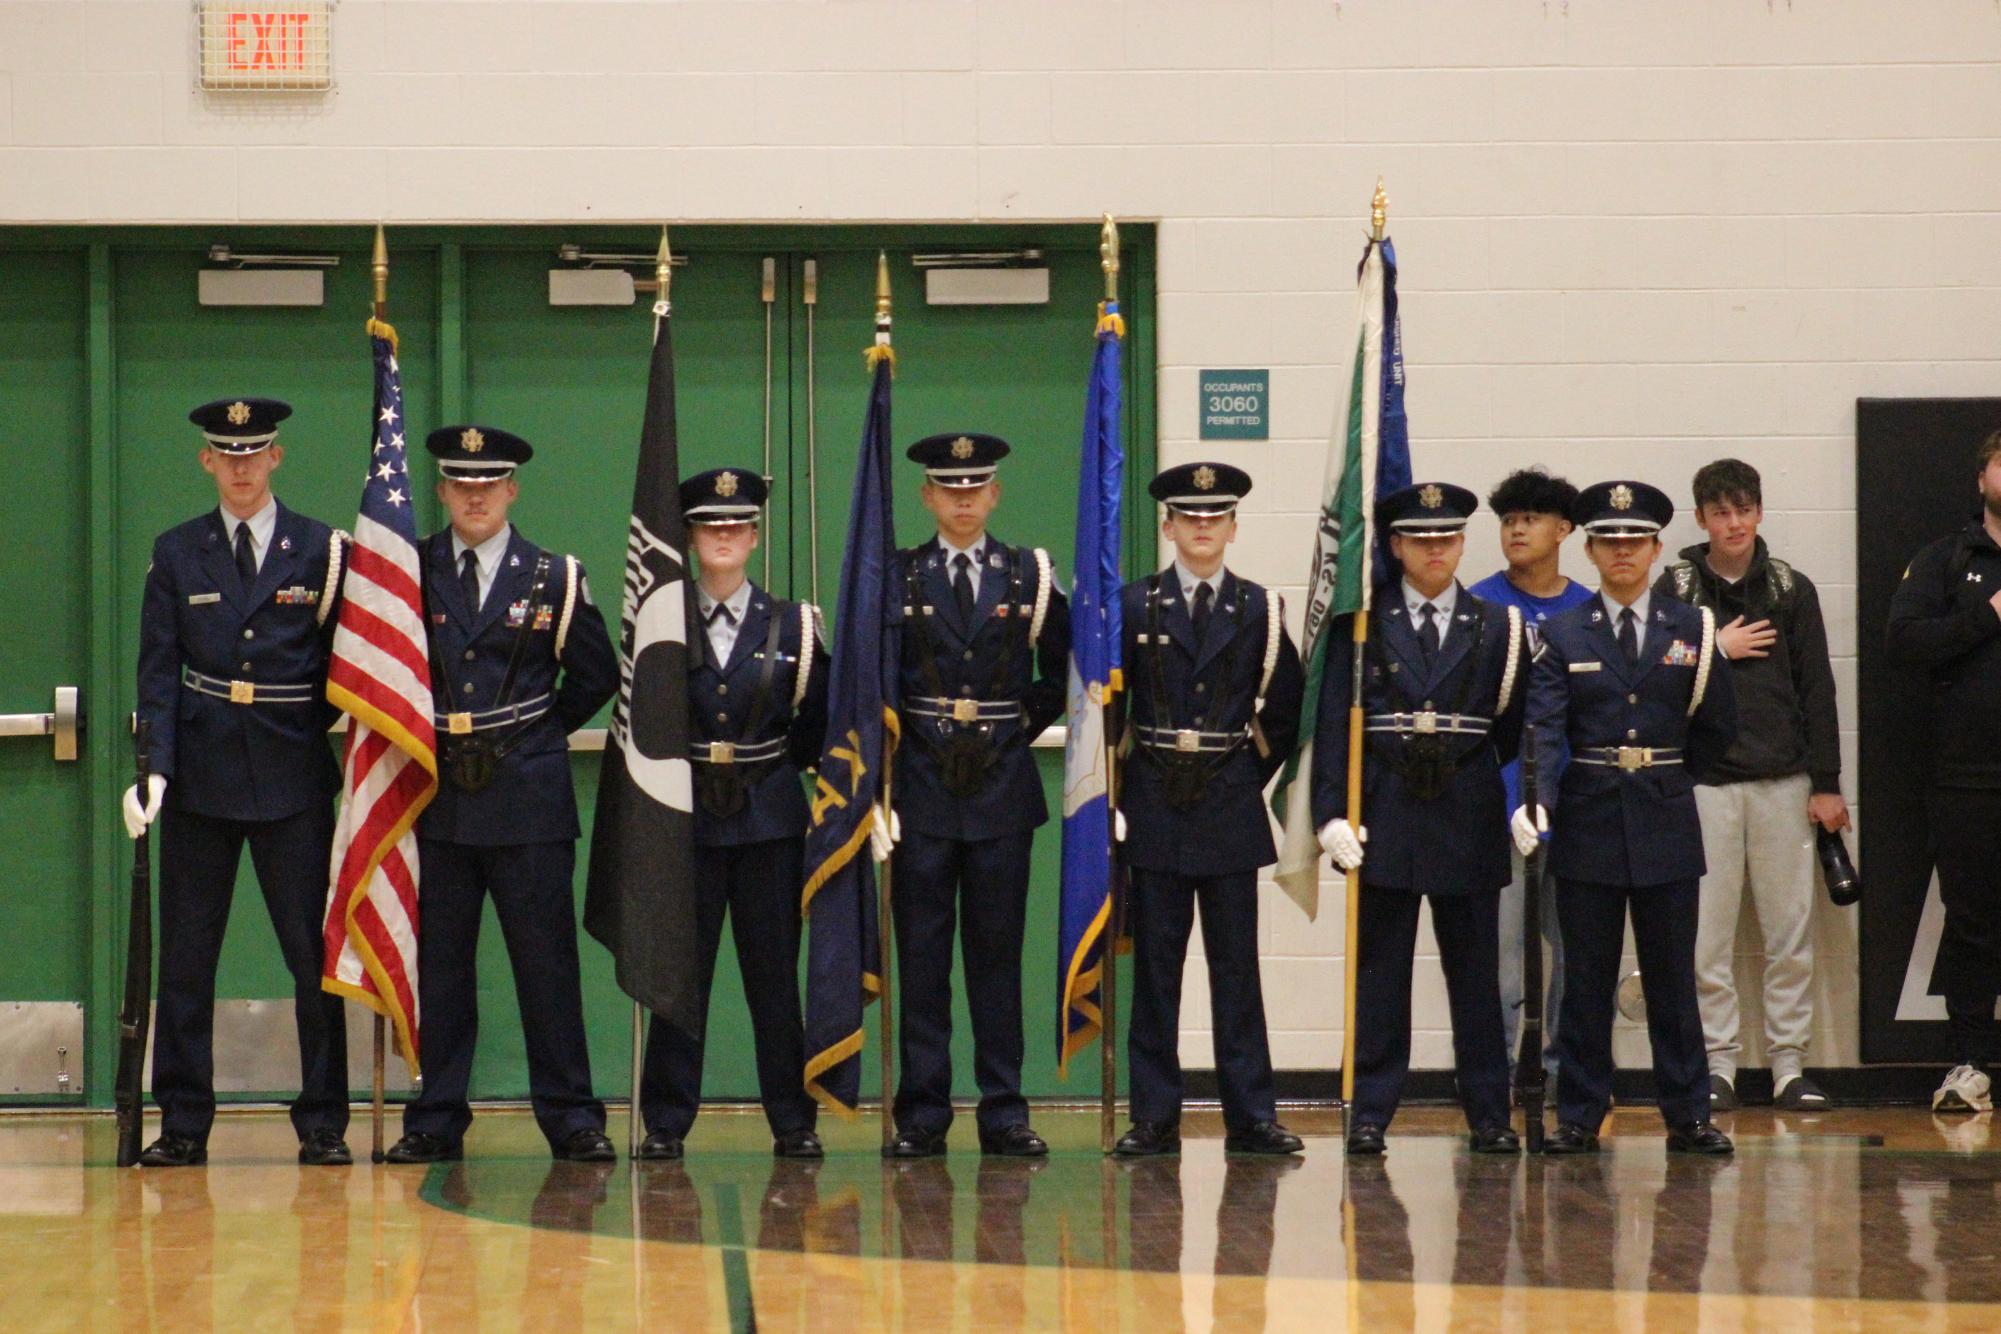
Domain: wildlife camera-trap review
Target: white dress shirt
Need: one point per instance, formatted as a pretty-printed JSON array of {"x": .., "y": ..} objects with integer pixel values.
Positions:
[
  {"x": 976, "y": 553},
  {"x": 1444, "y": 605},
  {"x": 486, "y": 558},
  {"x": 262, "y": 524},
  {"x": 1640, "y": 605},
  {"x": 1190, "y": 581},
  {"x": 723, "y": 629}
]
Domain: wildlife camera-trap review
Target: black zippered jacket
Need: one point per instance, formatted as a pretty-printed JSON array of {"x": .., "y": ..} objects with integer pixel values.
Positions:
[
  {"x": 1786, "y": 717},
  {"x": 1942, "y": 623}
]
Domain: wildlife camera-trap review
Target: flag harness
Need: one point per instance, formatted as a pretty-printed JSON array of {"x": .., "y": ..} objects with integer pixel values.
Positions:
[
  {"x": 964, "y": 752},
  {"x": 1425, "y": 759}
]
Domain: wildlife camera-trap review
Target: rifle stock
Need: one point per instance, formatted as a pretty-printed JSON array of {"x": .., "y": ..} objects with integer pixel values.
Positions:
[
  {"x": 1531, "y": 1083},
  {"x": 135, "y": 1014}
]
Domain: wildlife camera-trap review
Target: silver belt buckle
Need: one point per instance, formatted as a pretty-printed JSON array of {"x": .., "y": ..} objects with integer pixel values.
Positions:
[
  {"x": 1635, "y": 757},
  {"x": 965, "y": 710},
  {"x": 1424, "y": 723},
  {"x": 1187, "y": 741},
  {"x": 722, "y": 752}
]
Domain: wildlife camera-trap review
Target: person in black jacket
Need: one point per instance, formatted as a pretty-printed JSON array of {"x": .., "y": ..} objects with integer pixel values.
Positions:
[
  {"x": 1779, "y": 780},
  {"x": 1945, "y": 620}
]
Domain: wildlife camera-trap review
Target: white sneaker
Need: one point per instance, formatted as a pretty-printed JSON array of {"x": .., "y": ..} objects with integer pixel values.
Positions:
[{"x": 1964, "y": 1090}]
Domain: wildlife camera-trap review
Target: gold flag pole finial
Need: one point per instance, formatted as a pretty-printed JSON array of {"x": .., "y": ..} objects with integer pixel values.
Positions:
[
  {"x": 1379, "y": 211},
  {"x": 378, "y": 266},
  {"x": 663, "y": 274},
  {"x": 1109, "y": 319},
  {"x": 881, "y": 350}
]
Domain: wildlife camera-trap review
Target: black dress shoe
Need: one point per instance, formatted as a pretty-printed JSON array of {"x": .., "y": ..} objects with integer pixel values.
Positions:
[
  {"x": 1149, "y": 1139},
  {"x": 1015, "y": 1141},
  {"x": 325, "y": 1148},
  {"x": 915, "y": 1144},
  {"x": 1496, "y": 1139},
  {"x": 659, "y": 1147},
  {"x": 1366, "y": 1141},
  {"x": 586, "y": 1146},
  {"x": 797, "y": 1144},
  {"x": 1570, "y": 1138},
  {"x": 1699, "y": 1137},
  {"x": 171, "y": 1150},
  {"x": 422, "y": 1148},
  {"x": 1263, "y": 1137}
]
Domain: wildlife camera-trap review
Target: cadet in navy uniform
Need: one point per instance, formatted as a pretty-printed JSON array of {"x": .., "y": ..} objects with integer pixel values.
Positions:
[
  {"x": 1445, "y": 679},
  {"x": 519, "y": 660},
  {"x": 1631, "y": 703},
  {"x": 1215, "y": 685},
  {"x": 986, "y": 644},
  {"x": 233, "y": 639},
  {"x": 757, "y": 692}
]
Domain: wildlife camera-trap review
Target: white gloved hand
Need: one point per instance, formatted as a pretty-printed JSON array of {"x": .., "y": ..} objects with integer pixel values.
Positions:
[
  {"x": 1343, "y": 842},
  {"x": 1528, "y": 829},
  {"x": 1119, "y": 825},
  {"x": 138, "y": 816},
  {"x": 884, "y": 834}
]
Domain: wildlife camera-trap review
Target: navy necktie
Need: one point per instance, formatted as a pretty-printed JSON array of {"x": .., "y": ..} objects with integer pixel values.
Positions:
[
  {"x": 469, "y": 579},
  {"x": 246, "y": 557},
  {"x": 1204, "y": 596},
  {"x": 962, "y": 585},
  {"x": 1629, "y": 637},
  {"x": 1427, "y": 632}
]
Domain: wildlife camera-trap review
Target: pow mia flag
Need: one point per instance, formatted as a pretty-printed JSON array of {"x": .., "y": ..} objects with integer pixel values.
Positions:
[{"x": 640, "y": 899}]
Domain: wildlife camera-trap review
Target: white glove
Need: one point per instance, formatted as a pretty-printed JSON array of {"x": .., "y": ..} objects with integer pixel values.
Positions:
[
  {"x": 1343, "y": 842},
  {"x": 138, "y": 816},
  {"x": 1119, "y": 825},
  {"x": 883, "y": 834},
  {"x": 1528, "y": 829}
]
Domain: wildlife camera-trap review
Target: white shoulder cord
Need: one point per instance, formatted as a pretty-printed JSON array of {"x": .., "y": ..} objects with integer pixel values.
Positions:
[
  {"x": 569, "y": 604},
  {"x": 1702, "y": 667},
  {"x": 1274, "y": 623},
  {"x": 336, "y": 547},
  {"x": 1043, "y": 579},
  {"x": 1514, "y": 660},
  {"x": 809, "y": 636}
]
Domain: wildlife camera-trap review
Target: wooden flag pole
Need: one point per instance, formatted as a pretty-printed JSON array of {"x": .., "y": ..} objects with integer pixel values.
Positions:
[
  {"x": 1378, "y": 218},
  {"x": 885, "y": 934},
  {"x": 379, "y": 267},
  {"x": 1108, "y": 969}
]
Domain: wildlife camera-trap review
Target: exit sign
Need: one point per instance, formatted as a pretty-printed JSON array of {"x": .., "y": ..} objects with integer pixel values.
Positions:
[
  {"x": 1236, "y": 405},
  {"x": 280, "y": 48}
]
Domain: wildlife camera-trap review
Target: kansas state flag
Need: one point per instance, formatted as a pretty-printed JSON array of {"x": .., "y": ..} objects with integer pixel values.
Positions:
[
  {"x": 843, "y": 965},
  {"x": 1086, "y": 916}
]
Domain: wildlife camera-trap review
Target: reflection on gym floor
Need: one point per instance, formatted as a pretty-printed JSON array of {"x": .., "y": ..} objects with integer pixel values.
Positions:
[{"x": 1843, "y": 1219}]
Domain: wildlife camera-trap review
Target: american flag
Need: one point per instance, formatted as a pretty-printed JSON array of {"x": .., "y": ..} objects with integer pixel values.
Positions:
[{"x": 380, "y": 674}]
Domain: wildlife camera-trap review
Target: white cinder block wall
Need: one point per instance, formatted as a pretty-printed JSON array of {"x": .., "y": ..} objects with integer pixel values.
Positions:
[{"x": 1634, "y": 236}]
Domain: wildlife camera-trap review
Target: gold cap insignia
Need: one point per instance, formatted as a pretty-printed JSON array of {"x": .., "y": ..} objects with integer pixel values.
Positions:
[
  {"x": 471, "y": 441},
  {"x": 962, "y": 448},
  {"x": 1431, "y": 497},
  {"x": 726, "y": 484},
  {"x": 1205, "y": 478},
  {"x": 1622, "y": 497},
  {"x": 239, "y": 413}
]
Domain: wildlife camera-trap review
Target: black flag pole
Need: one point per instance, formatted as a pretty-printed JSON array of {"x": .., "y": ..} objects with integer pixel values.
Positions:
[{"x": 885, "y": 935}]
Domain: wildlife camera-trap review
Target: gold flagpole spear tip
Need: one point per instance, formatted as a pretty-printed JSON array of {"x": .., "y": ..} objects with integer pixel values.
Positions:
[
  {"x": 379, "y": 266},
  {"x": 663, "y": 265},
  {"x": 1379, "y": 210},
  {"x": 1109, "y": 319},
  {"x": 880, "y": 350}
]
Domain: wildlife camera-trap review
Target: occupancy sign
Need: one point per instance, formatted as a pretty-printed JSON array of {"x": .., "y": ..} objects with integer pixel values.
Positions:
[{"x": 1236, "y": 405}]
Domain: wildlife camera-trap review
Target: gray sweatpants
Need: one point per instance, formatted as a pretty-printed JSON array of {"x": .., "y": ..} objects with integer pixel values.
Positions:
[{"x": 1757, "y": 830}]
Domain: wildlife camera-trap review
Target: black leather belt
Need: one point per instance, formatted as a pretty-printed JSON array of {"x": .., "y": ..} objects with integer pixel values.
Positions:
[
  {"x": 249, "y": 692},
  {"x": 459, "y": 724},
  {"x": 1628, "y": 757}
]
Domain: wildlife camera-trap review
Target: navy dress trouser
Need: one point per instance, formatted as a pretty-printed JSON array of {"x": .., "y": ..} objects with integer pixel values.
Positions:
[
  {"x": 1594, "y": 937},
  {"x": 532, "y": 895},
  {"x": 757, "y": 885},
  {"x": 199, "y": 855},
  {"x": 1163, "y": 912},
  {"x": 1466, "y": 927},
  {"x": 981, "y": 887}
]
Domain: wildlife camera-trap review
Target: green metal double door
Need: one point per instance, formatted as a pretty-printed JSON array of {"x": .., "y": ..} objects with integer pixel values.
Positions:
[{"x": 104, "y": 347}]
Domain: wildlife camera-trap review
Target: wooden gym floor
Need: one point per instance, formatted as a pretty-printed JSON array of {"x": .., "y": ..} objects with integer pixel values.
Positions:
[{"x": 1876, "y": 1219}]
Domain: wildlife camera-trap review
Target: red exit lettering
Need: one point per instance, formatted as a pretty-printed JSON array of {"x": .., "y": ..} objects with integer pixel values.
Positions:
[{"x": 265, "y": 41}]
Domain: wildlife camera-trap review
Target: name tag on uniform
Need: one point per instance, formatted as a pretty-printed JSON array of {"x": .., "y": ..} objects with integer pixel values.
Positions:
[
  {"x": 1587, "y": 666},
  {"x": 203, "y": 599},
  {"x": 1679, "y": 654}
]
